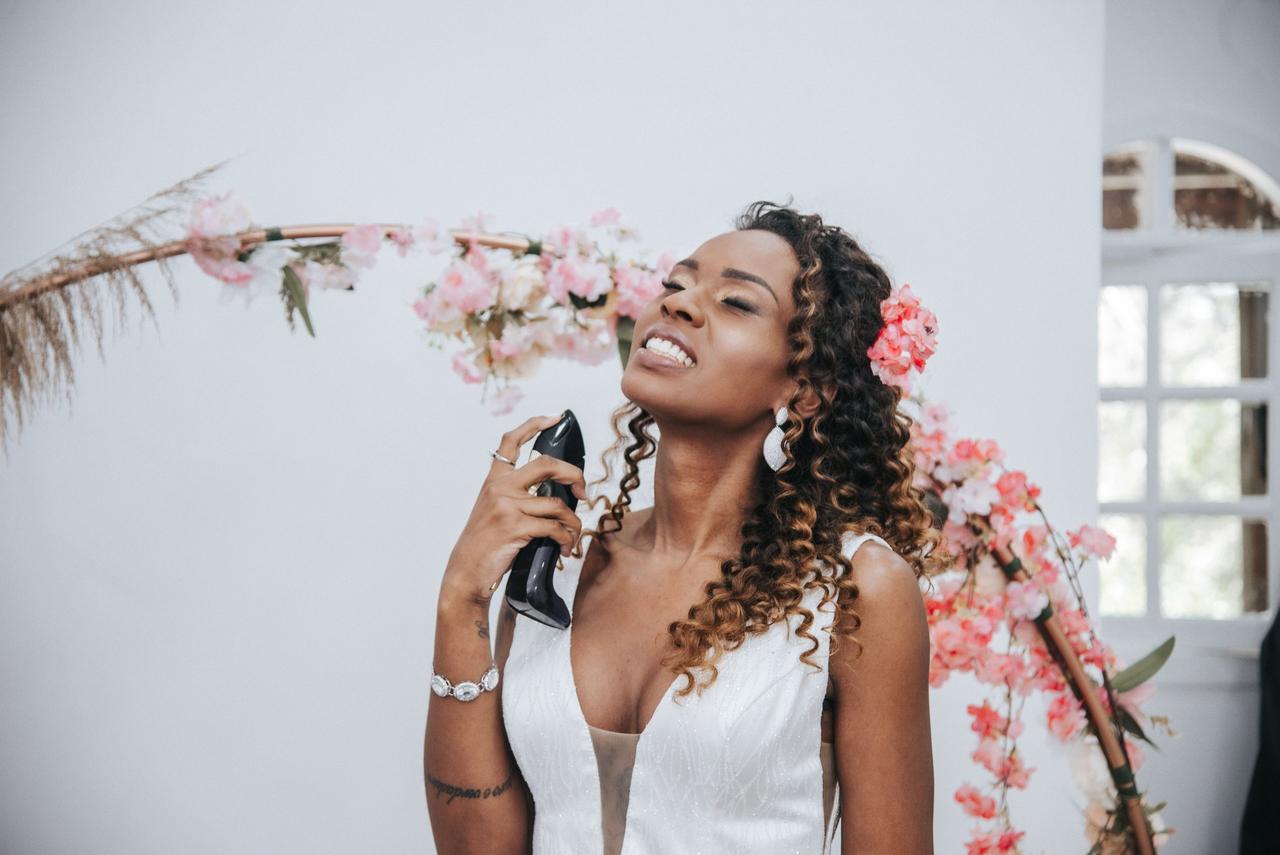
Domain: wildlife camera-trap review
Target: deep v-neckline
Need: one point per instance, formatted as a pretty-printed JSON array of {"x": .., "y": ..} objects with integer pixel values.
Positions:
[{"x": 573, "y": 680}]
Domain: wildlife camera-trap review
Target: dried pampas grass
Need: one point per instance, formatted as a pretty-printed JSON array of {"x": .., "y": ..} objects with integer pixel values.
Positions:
[{"x": 43, "y": 304}]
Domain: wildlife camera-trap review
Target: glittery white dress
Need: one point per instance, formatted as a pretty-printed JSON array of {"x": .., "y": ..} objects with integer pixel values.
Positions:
[{"x": 739, "y": 769}]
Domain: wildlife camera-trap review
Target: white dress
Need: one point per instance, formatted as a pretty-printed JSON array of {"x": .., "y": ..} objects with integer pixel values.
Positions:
[{"x": 735, "y": 770}]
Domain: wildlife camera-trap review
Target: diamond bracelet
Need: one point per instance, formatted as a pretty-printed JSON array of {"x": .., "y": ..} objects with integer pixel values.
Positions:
[{"x": 466, "y": 690}]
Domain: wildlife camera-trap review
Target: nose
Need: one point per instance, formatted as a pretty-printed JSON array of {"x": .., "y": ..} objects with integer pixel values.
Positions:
[{"x": 682, "y": 303}]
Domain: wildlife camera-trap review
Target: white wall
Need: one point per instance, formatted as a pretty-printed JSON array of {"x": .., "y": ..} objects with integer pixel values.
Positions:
[
  {"x": 1207, "y": 70},
  {"x": 219, "y": 569}
]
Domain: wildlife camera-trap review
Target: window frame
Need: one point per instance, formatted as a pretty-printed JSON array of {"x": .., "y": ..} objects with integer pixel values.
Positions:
[{"x": 1160, "y": 251}]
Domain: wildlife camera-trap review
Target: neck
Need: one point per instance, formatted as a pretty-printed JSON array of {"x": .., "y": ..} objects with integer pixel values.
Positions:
[{"x": 705, "y": 484}]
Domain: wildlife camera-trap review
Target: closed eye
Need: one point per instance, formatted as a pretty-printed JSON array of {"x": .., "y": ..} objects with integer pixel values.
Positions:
[{"x": 740, "y": 305}]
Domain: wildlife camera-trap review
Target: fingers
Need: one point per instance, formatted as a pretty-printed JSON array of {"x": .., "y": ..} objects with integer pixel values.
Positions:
[
  {"x": 535, "y": 526},
  {"x": 551, "y": 508},
  {"x": 514, "y": 439},
  {"x": 543, "y": 467}
]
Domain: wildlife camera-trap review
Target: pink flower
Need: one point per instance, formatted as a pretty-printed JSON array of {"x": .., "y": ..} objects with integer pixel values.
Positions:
[
  {"x": 606, "y": 216},
  {"x": 519, "y": 350},
  {"x": 587, "y": 279},
  {"x": 993, "y": 842},
  {"x": 438, "y": 313},
  {"x": 593, "y": 345},
  {"x": 636, "y": 288},
  {"x": 1065, "y": 717},
  {"x": 1025, "y": 600},
  {"x": 906, "y": 340},
  {"x": 1095, "y": 541},
  {"x": 1016, "y": 491},
  {"x": 217, "y": 257},
  {"x": 212, "y": 240},
  {"x": 568, "y": 242},
  {"x": 988, "y": 754},
  {"x": 217, "y": 216},
  {"x": 955, "y": 640},
  {"x": 467, "y": 288},
  {"x": 974, "y": 803},
  {"x": 973, "y": 496},
  {"x": 987, "y": 721},
  {"x": 1002, "y": 669},
  {"x": 360, "y": 244},
  {"x": 426, "y": 234},
  {"x": 934, "y": 418},
  {"x": 464, "y": 365},
  {"x": 1012, "y": 773},
  {"x": 505, "y": 400}
]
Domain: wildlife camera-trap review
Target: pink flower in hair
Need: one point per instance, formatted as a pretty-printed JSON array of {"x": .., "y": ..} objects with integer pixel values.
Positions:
[{"x": 906, "y": 340}]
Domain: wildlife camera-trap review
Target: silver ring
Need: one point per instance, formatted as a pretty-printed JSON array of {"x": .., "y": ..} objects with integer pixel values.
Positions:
[{"x": 496, "y": 456}]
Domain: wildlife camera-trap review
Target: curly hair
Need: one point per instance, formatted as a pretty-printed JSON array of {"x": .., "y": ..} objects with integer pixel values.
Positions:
[{"x": 848, "y": 466}]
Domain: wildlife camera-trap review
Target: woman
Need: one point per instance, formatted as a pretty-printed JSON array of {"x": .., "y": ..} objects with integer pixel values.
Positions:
[{"x": 783, "y": 520}]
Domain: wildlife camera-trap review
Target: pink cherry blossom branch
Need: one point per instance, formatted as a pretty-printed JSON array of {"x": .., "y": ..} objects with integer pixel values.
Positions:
[
  {"x": 97, "y": 266},
  {"x": 1060, "y": 647}
]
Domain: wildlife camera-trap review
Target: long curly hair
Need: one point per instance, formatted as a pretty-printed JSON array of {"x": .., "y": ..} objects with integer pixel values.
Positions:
[{"x": 848, "y": 466}]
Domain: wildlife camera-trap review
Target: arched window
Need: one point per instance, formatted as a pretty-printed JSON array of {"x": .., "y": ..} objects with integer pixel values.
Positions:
[
  {"x": 1210, "y": 188},
  {"x": 1191, "y": 259}
]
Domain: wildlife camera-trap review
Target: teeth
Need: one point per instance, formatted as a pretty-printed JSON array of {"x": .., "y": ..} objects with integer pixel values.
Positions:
[{"x": 669, "y": 349}]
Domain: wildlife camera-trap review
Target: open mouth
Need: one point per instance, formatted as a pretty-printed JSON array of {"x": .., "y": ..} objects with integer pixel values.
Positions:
[{"x": 660, "y": 348}]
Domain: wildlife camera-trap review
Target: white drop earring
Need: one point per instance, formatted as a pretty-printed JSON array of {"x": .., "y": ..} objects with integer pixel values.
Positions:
[{"x": 773, "y": 453}]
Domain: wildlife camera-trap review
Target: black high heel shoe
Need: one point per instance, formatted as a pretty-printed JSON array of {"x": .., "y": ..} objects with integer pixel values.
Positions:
[{"x": 531, "y": 585}]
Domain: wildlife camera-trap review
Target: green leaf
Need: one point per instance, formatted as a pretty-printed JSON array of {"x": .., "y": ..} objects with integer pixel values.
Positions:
[
  {"x": 297, "y": 297},
  {"x": 1130, "y": 724},
  {"x": 1144, "y": 669}
]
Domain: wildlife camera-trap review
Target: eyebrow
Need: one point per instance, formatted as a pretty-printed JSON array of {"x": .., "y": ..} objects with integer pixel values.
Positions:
[{"x": 732, "y": 273}]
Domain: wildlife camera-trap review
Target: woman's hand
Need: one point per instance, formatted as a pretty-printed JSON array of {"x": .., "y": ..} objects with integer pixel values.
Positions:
[{"x": 505, "y": 516}]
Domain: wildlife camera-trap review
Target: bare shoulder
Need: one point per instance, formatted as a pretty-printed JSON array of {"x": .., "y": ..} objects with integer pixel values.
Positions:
[
  {"x": 890, "y": 606},
  {"x": 881, "y": 573},
  {"x": 882, "y": 728}
]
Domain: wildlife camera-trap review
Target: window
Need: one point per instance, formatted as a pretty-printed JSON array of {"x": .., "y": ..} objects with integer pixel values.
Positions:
[{"x": 1191, "y": 259}]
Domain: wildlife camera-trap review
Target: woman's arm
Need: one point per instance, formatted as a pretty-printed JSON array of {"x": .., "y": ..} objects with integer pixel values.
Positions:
[
  {"x": 476, "y": 797},
  {"x": 884, "y": 749}
]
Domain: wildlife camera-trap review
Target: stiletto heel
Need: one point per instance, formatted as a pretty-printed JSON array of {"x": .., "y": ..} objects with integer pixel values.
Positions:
[{"x": 531, "y": 586}]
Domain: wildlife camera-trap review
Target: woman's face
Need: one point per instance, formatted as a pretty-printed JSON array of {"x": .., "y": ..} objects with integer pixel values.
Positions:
[{"x": 728, "y": 306}]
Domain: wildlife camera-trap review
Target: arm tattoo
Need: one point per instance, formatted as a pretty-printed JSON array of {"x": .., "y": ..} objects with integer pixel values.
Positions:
[
  {"x": 482, "y": 627},
  {"x": 454, "y": 791}
]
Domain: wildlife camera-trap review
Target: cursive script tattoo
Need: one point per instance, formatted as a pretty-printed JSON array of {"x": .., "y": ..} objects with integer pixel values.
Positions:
[
  {"x": 482, "y": 627},
  {"x": 454, "y": 791}
]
